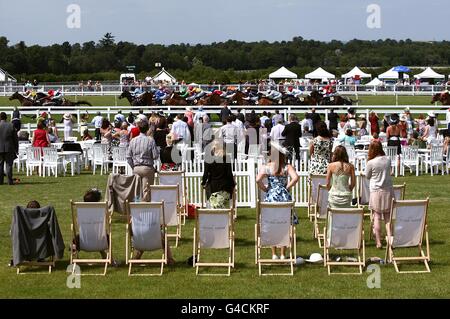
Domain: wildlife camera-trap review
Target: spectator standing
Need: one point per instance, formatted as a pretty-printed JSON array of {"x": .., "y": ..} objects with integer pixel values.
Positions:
[{"x": 9, "y": 147}]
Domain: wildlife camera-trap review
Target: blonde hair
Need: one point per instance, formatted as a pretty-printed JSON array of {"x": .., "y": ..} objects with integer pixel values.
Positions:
[{"x": 217, "y": 148}]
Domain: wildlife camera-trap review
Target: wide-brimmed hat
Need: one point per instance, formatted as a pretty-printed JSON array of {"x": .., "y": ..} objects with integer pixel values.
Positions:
[
  {"x": 67, "y": 116},
  {"x": 315, "y": 258},
  {"x": 394, "y": 119},
  {"x": 431, "y": 114},
  {"x": 403, "y": 118}
]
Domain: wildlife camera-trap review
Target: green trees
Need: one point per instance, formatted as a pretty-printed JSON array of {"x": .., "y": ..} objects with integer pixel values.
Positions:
[{"x": 216, "y": 61}]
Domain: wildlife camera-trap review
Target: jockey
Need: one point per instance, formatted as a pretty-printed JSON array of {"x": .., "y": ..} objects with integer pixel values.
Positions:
[
  {"x": 274, "y": 95},
  {"x": 327, "y": 90},
  {"x": 293, "y": 92},
  {"x": 443, "y": 93},
  {"x": 30, "y": 94},
  {"x": 184, "y": 93},
  {"x": 161, "y": 94},
  {"x": 197, "y": 93},
  {"x": 231, "y": 90},
  {"x": 57, "y": 95},
  {"x": 252, "y": 95},
  {"x": 137, "y": 92}
]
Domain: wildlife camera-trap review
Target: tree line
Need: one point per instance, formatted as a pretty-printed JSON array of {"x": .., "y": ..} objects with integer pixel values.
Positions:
[{"x": 224, "y": 61}]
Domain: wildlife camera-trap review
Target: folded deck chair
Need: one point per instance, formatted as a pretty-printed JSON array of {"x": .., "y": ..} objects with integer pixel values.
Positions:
[
  {"x": 145, "y": 232},
  {"x": 122, "y": 188},
  {"x": 36, "y": 238},
  {"x": 214, "y": 229},
  {"x": 320, "y": 212},
  {"x": 313, "y": 185},
  {"x": 274, "y": 227},
  {"x": 91, "y": 230},
  {"x": 408, "y": 228},
  {"x": 177, "y": 178},
  {"x": 169, "y": 195},
  {"x": 345, "y": 231}
]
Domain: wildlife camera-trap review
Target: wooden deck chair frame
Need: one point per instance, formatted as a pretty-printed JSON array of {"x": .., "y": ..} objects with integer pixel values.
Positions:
[
  {"x": 233, "y": 200},
  {"x": 183, "y": 206},
  {"x": 361, "y": 249},
  {"x": 129, "y": 249},
  {"x": 318, "y": 218},
  {"x": 402, "y": 189},
  {"x": 312, "y": 197},
  {"x": 74, "y": 259},
  {"x": 292, "y": 240},
  {"x": 49, "y": 264},
  {"x": 197, "y": 263},
  {"x": 423, "y": 257},
  {"x": 177, "y": 234}
]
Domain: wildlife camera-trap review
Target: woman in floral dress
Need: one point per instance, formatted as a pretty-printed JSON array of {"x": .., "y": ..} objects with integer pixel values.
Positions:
[
  {"x": 277, "y": 172},
  {"x": 320, "y": 150}
]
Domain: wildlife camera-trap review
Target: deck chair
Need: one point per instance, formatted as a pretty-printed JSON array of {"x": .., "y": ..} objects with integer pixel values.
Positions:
[
  {"x": 320, "y": 212},
  {"x": 313, "y": 185},
  {"x": 169, "y": 195},
  {"x": 344, "y": 231},
  {"x": 91, "y": 230},
  {"x": 214, "y": 229},
  {"x": 233, "y": 201},
  {"x": 274, "y": 228},
  {"x": 363, "y": 193},
  {"x": 145, "y": 231},
  {"x": 408, "y": 228},
  {"x": 177, "y": 178},
  {"x": 36, "y": 238}
]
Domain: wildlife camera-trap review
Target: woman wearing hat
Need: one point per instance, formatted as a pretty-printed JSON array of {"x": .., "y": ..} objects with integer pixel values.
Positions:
[
  {"x": 68, "y": 126},
  {"x": 393, "y": 132}
]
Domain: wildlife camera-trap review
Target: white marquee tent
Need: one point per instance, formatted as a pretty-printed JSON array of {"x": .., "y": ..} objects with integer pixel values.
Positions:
[
  {"x": 356, "y": 71},
  {"x": 282, "y": 73},
  {"x": 375, "y": 82},
  {"x": 164, "y": 76},
  {"x": 6, "y": 77},
  {"x": 392, "y": 75},
  {"x": 319, "y": 73},
  {"x": 429, "y": 73}
]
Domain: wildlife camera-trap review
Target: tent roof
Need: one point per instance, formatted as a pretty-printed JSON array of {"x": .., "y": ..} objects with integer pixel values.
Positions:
[
  {"x": 391, "y": 75},
  {"x": 8, "y": 77},
  {"x": 375, "y": 82},
  {"x": 356, "y": 71},
  {"x": 319, "y": 73},
  {"x": 429, "y": 73},
  {"x": 163, "y": 75},
  {"x": 282, "y": 73}
]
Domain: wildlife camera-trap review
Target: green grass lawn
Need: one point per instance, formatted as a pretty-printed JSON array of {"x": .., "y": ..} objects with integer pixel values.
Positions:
[{"x": 179, "y": 281}]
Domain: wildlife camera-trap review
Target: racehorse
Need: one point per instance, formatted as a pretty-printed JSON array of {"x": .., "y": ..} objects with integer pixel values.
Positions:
[
  {"x": 176, "y": 99},
  {"x": 146, "y": 99},
  {"x": 213, "y": 99},
  {"x": 444, "y": 98},
  {"x": 336, "y": 100},
  {"x": 238, "y": 98},
  {"x": 22, "y": 99}
]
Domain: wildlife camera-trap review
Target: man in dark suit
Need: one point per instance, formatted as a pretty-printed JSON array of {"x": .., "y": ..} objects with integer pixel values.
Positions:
[
  {"x": 8, "y": 148},
  {"x": 293, "y": 132}
]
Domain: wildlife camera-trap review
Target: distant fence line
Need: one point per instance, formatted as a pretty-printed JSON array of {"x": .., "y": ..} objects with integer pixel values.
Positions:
[
  {"x": 116, "y": 89},
  {"x": 110, "y": 111}
]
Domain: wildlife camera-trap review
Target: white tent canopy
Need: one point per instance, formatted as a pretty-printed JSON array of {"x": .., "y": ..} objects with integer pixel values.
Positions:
[
  {"x": 392, "y": 75},
  {"x": 356, "y": 71},
  {"x": 282, "y": 73},
  {"x": 6, "y": 77},
  {"x": 319, "y": 73},
  {"x": 375, "y": 82},
  {"x": 164, "y": 76},
  {"x": 429, "y": 73}
]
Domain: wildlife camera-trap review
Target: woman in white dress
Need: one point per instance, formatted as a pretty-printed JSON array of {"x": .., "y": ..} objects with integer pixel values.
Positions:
[{"x": 68, "y": 126}]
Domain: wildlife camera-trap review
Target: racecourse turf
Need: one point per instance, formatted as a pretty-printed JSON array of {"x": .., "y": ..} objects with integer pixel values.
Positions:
[{"x": 180, "y": 281}]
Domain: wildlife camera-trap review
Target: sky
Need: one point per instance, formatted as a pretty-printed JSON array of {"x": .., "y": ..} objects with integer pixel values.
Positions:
[{"x": 205, "y": 21}]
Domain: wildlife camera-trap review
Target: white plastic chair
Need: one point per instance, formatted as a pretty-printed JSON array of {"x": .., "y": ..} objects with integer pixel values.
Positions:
[
  {"x": 34, "y": 160},
  {"x": 100, "y": 157},
  {"x": 52, "y": 162},
  {"x": 435, "y": 159},
  {"x": 391, "y": 152},
  {"x": 119, "y": 159},
  {"x": 410, "y": 159}
]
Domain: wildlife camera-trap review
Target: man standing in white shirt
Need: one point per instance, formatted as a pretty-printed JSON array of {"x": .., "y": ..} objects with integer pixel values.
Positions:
[
  {"x": 276, "y": 132},
  {"x": 119, "y": 117},
  {"x": 229, "y": 134},
  {"x": 97, "y": 121},
  {"x": 181, "y": 130},
  {"x": 263, "y": 118},
  {"x": 307, "y": 122},
  {"x": 199, "y": 115}
]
